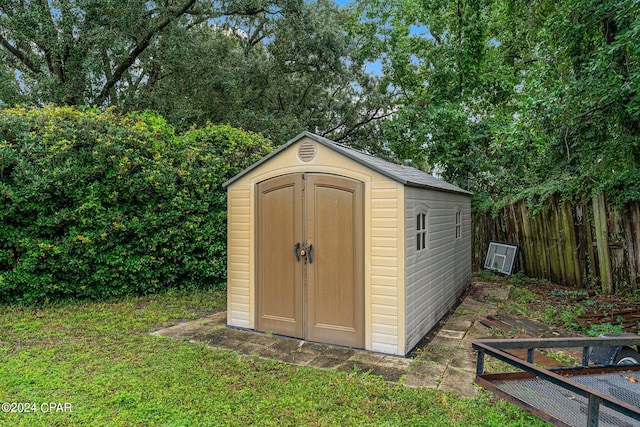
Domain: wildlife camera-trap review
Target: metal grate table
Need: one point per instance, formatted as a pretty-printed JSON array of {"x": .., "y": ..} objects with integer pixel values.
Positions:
[{"x": 582, "y": 396}]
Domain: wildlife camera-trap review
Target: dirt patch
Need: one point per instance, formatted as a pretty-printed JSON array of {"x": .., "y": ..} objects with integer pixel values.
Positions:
[{"x": 489, "y": 291}]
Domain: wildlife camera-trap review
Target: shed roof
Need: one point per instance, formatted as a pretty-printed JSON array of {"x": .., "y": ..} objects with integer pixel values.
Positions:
[{"x": 406, "y": 175}]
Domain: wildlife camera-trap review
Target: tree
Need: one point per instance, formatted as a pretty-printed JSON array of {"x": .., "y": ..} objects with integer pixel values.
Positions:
[
  {"x": 80, "y": 52},
  {"x": 279, "y": 71},
  {"x": 579, "y": 98},
  {"x": 507, "y": 97},
  {"x": 274, "y": 66},
  {"x": 449, "y": 74}
]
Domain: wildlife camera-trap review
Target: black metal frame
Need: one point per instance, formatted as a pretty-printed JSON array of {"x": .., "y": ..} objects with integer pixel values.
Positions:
[{"x": 558, "y": 376}]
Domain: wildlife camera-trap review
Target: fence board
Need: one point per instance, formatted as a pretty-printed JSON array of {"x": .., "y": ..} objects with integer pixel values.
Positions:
[{"x": 580, "y": 245}]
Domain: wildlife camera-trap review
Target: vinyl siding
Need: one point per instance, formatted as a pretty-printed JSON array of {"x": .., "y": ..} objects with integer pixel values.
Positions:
[
  {"x": 386, "y": 220},
  {"x": 238, "y": 244},
  {"x": 436, "y": 276}
]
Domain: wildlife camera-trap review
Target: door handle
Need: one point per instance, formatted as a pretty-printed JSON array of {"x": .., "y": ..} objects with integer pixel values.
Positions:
[
  {"x": 309, "y": 253},
  {"x": 296, "y": 248}
]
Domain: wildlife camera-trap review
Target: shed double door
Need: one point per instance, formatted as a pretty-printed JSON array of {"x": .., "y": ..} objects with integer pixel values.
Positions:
[{"x": 310, "y": 260}]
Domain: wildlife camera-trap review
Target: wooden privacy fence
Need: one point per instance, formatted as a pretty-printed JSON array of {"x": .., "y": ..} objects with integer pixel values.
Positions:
[{"x": 585, "y": 244}]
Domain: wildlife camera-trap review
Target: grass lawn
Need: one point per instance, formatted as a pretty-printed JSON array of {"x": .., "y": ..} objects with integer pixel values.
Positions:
[{"x": 99, "y": 366}]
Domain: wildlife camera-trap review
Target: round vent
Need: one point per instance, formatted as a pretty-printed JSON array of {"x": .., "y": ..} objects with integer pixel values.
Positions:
[{"x": 306, "y": 151}]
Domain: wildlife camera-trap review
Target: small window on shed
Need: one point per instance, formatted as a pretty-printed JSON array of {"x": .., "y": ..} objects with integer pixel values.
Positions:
[
  {"x": 458, "y": 223},
  {"x": 421, "y": 231}
]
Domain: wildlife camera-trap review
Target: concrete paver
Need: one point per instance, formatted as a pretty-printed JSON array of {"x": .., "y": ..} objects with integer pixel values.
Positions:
[
  {"x": 458, "y": 324},
  {"x": 367, "y": 358},
  {"x": 447, "y": 362},
  {"x": 424, "y": 374},
  {"x": 452, "y": 334},
  {"x": 457, "y": 381}
]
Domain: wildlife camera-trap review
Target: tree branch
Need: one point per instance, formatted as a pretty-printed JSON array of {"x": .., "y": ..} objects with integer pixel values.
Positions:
[
  {"x": 566, "y": 145},
  {"x": 248, "y": 12},
  {"x": 280, "y": 102},
  {"x": 304, "y": 95},
  {"x": 255, "y": 37},
  {"x": 21, "y": 56},
  {"x": 373, "y": 117},
  {"x": 106, "y": 62},
  {"x": 436, "y": 37},
  {"x": 54, "y": 66},
  {"x": 141, "y": 47},
  {"x": 197, "y": 22},
  {"x": 593, "y": 110}
]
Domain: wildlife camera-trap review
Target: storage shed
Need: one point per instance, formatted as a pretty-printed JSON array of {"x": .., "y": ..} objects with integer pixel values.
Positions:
[{"x": 329, "y": 244}]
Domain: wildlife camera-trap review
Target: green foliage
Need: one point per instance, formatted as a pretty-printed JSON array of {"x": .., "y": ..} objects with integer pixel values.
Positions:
[
  {"x": 569, "y": 316},
  {"x": 604, "y": 328},
  {"x": 562, "y": 357},
  {"x": 522, "y": 295},
  {"x": 575, "y": 303},
  {"x": 100, "y": 358},
  {"x": 519, "y": 301},
  {"x": 520, "y": 278},
  {"x": 96, "y": 205},
  {"x": 277, "y": 66},
  {"x": 280, "y": 68},
  {"x": 80, "y": 52},
  {"x": 486, "y": 276},
  {"x": 452, "y": 84},
  {"x": 577, "y": 131},
  {"x": 513, "y": 99}
]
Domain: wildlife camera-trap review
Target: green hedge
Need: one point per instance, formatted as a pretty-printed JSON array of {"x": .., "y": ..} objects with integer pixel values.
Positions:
[{"x": 98, "y": 205}]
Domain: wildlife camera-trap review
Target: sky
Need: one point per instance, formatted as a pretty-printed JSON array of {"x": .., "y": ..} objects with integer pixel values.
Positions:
[{"x": 374, "y": 68}]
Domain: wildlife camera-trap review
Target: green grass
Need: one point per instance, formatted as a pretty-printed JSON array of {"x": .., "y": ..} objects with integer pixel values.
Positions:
[{"x": 100, "y": 359}]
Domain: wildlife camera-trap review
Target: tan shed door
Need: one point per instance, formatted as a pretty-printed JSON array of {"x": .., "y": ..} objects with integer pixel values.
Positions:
[
  {"x": 310, "y": 262},
  {"x": 279, "y": 277}
]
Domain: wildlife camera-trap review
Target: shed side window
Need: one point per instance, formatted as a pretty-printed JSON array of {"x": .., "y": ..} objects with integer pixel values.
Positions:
[
  {"x": 421, "y": 231},
  {"x": 458, "y": 223}
]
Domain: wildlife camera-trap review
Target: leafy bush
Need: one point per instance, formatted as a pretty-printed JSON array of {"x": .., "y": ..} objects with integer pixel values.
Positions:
[{"x": 96, "y": 205}]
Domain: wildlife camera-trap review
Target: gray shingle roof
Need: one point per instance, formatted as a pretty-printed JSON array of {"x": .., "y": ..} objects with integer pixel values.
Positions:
[{"x": 407, "y": 175}]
